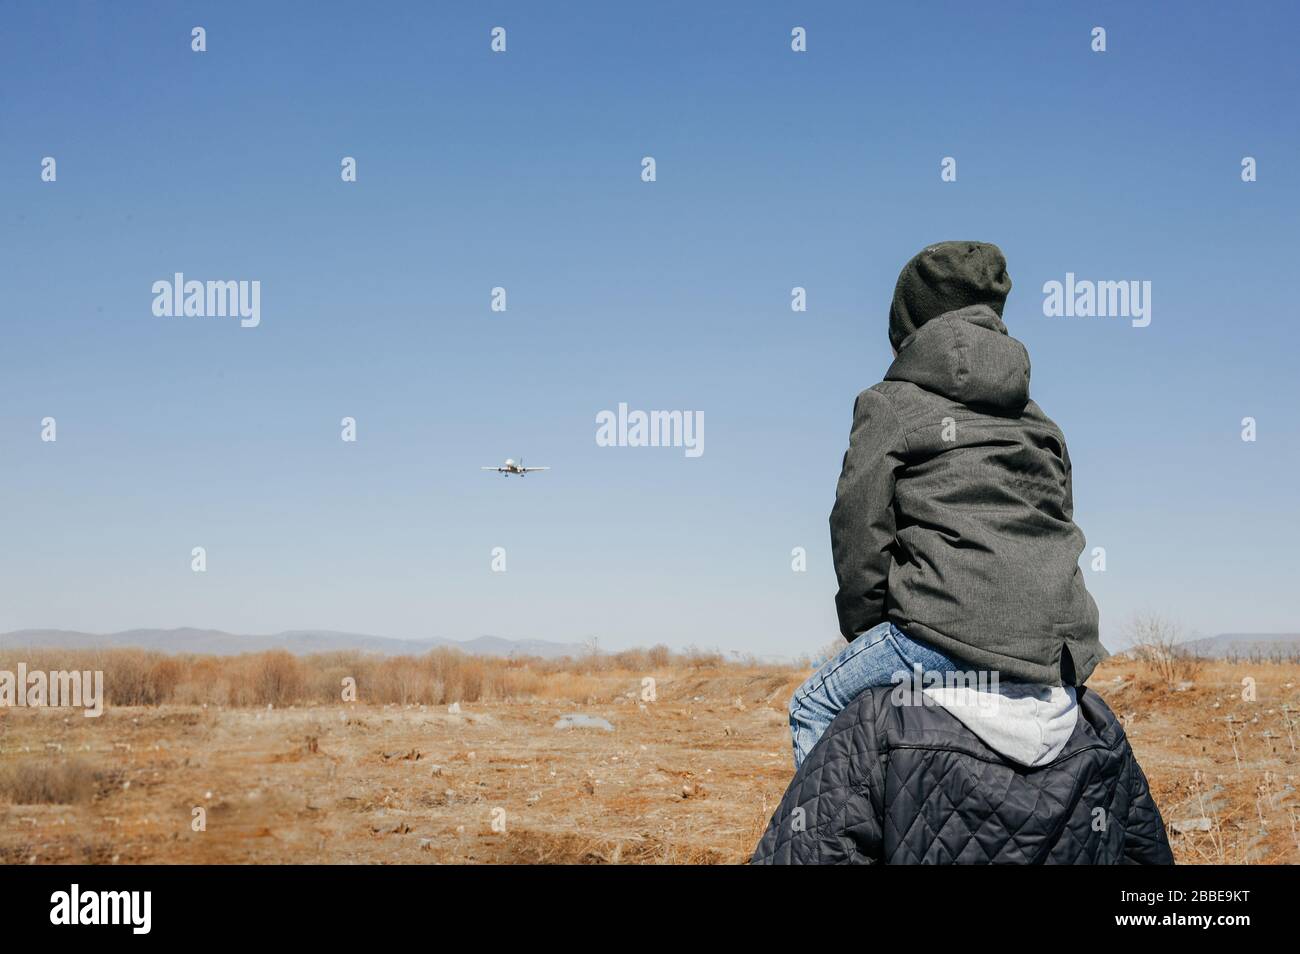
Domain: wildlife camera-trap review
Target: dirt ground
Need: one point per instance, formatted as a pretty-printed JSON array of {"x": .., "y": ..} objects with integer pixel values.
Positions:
[{"x": 691, "y": 777}]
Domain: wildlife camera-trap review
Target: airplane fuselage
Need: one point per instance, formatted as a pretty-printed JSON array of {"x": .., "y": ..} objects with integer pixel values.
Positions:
[{"x": 514, "y": 467}]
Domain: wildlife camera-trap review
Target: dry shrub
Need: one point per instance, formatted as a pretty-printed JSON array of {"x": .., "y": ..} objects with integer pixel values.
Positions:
[
  {"x": 404, "y": 680},
  {"x": 204, "y": 681},
  {"x": 31, "y": 782},
  {"x": 135, "y": 677},
  {"x": 471, "y": 679},
  {"x": 1156, "y": 645},
  {"x": 462, "y": 678},
  {"x": 571, "y": 687},
  {"x": 632, "y": 660},
  {"x": 164, "y": 676},
  {"x": 326, "y": 672},
  {"x": 278, "y": 678},
  {"x": 47, "y": 659},
  {"x": 517, "y": 684},
  {"x": 695, "y": 658},
  {"x": 258, "y": 679}
]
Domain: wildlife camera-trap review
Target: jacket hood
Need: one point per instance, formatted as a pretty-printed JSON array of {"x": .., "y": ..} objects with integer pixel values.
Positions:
[
  {"x": 968, "y": 357},
  {"x": 1026, "y": 724}
]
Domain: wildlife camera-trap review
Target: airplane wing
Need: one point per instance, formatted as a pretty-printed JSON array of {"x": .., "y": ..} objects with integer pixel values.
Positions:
[
  {"x": 530, "y": 469},
  {"x": 491, "y": 468}
]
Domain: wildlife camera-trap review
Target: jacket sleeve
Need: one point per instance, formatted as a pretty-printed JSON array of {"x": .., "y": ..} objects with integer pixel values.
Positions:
[
  {"x": 1145, "y": 840},
  {"x": 862, "y": 521}
]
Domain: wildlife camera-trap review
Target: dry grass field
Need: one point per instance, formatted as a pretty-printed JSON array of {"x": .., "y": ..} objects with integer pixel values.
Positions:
[{"x": 450, "y": 759}]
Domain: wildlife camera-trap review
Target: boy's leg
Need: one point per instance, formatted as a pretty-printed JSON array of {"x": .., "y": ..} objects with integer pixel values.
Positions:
[
  {"x": 913, "y": 653},
  {"x": 870, "y": 660}
]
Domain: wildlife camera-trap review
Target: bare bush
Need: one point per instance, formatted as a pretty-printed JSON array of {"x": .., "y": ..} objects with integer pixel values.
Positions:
[
  {"x": 278, "y": 678},
  {"x": 135, "y": 677},
  {"x": 696, "y": 658},
  {"x": 47, "y": 783},
  {"x": 130, "y": 680},
  {"x": 204, "y": 681},
  {"x": 634, "y": 660},
  {"x": 1156, "y": 645},
  {"x": 164, "y": 677}
]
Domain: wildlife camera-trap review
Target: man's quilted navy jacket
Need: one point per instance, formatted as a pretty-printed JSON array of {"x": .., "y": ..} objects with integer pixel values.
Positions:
[{"x": 909, "y": 784}]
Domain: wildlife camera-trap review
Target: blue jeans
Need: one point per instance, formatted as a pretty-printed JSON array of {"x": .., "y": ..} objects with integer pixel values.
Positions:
[{"x": 870, "y": 660}]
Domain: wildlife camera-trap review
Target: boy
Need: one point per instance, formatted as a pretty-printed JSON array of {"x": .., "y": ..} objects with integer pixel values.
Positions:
[{"x": 953, "y": 532}]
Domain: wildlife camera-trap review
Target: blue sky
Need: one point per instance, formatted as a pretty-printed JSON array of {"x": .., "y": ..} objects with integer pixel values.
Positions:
[{"x": 522, "y": 170}]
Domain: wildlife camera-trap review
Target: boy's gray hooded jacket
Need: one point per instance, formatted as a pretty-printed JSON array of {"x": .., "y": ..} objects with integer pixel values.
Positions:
[
  {"x": 953, "y": 516},
  {"x": 896, "y": 782}
]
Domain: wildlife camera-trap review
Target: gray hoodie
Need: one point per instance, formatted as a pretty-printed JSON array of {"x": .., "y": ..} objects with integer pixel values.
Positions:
[
  {"x": 1026, "y": 724},
  {"x": 953, "y": 517}
]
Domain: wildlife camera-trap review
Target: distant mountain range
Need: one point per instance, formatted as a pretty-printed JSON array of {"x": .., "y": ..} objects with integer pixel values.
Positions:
[
  {"x": 1246, "y": 644},
  {"x": 300, "y": 641}
]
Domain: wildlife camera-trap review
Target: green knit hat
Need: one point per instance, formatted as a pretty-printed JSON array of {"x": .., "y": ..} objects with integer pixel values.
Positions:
[{"x": 943, "y": 278}]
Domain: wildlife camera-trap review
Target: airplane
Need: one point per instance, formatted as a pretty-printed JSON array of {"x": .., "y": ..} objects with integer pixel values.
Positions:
[{"x": 510, "y": 467}]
